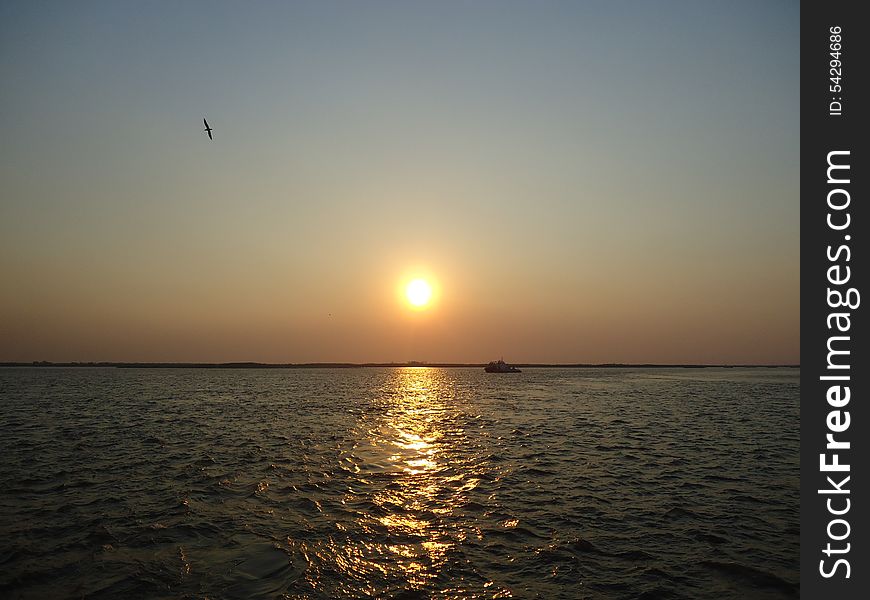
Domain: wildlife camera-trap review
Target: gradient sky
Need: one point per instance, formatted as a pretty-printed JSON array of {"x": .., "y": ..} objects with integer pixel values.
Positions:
[{"x": 587, "y": 181}]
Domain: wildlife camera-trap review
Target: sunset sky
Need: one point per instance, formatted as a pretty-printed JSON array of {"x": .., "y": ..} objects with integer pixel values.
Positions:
[{"x": 577, "y": 181}]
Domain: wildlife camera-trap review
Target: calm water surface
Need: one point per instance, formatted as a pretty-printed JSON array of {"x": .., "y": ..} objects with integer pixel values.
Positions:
[{"x": 402, "y": 483}]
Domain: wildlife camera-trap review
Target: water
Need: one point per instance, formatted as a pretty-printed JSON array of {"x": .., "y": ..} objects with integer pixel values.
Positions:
[{"x": 403, "y": 483}]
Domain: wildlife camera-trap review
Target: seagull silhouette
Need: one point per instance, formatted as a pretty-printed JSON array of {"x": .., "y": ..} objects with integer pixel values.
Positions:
[{"x": 207, "y": 129}]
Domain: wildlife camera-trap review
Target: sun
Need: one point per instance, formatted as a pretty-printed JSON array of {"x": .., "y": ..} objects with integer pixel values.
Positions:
[{"x": 418, "y": 292}]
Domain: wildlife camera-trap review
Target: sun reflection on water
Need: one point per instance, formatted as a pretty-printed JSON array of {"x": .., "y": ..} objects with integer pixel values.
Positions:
[
  {"x": 409, "y": 510},
  {"x": 414, "y": 429},
  {"x": 413, "y": 442}
]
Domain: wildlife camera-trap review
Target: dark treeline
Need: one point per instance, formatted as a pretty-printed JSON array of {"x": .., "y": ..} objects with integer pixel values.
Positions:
[{"x": 256, "y": 365}]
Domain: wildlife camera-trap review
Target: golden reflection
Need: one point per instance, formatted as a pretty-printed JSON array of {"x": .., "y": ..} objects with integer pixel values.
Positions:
[
  {"x": 410, "y": 501},
  {"x": 410, "y": 446}
]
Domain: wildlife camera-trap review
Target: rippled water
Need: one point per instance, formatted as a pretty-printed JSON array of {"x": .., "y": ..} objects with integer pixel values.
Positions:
[{"x": 404, "y": 483}]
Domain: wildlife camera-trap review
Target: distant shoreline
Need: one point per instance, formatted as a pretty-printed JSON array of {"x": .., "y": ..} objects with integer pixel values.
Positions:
[{"x": 256, "y": 365}]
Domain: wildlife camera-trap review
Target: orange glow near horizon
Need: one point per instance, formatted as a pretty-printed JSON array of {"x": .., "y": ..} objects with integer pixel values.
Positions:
[{"x": 552, "y": 221}]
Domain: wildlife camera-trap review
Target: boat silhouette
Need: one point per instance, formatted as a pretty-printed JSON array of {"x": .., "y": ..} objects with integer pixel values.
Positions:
[{"x": 500, "y": 366}]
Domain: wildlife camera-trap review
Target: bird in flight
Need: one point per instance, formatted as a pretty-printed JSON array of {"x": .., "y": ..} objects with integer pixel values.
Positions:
[{"x": 207, "y": 129}]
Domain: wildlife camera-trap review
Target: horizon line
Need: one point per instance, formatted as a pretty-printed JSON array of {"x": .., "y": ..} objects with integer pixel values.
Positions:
[{"x": 352, "y": 365}]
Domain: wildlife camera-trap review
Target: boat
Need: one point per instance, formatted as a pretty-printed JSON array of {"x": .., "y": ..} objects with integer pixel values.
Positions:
[{"x": 500, "y": 366}]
